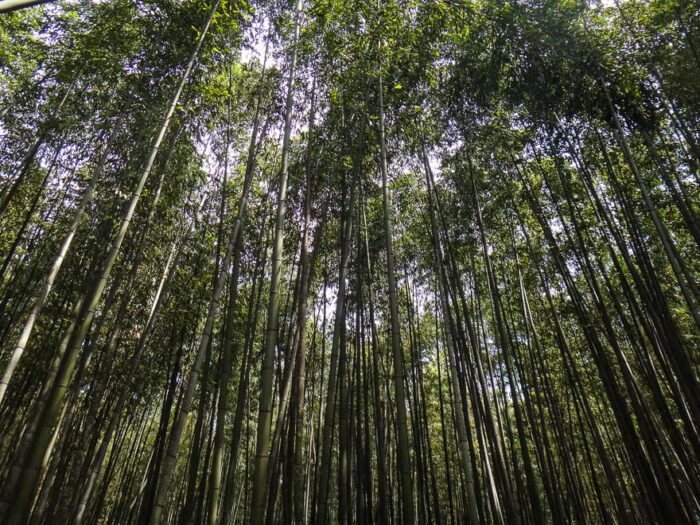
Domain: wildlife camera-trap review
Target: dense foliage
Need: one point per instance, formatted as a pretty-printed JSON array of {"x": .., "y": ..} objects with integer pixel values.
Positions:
[{"x": 356, "y": 262}]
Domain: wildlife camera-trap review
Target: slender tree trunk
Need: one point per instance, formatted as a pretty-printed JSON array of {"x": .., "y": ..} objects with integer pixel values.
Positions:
[
  {"x": 321, "y": 515},
  {"x": 403, "y": 459},
  {"x": 6, "y": 6},
  {"x": 262, "y": 454},
  {"x": 242, "y": 397},
  {"x": 300, "y": 373},
  {"x": 459, "y": 410}
]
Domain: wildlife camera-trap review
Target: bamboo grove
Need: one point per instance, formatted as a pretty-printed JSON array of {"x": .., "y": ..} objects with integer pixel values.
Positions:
[{"x": 321, "y": 262}]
